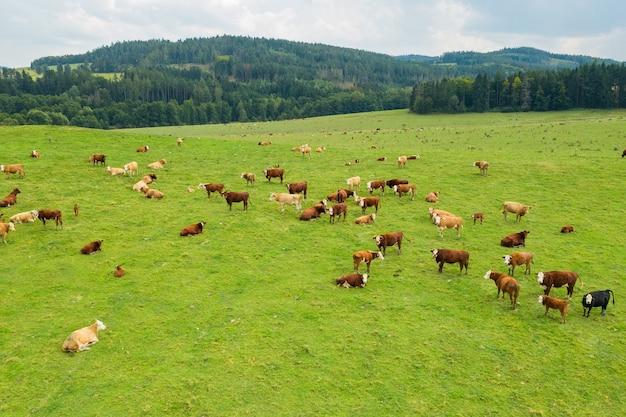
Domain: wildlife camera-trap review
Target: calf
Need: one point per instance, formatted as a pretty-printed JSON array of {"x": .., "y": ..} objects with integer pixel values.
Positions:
[
  {"x": 352, "y": 280},
  {"x": 143, "y": 149},
  {"x": 366, "y": 256},
  {"x": 4, "y": 230},
  {"x": 35, "y": 154},
  {"x": 250, "y": 178},
  {"x": 285, "y": 199},
  {"x": 483, "y": 166},
  {"x": 518, "y": 258},
  {"x": 597, "y": 299},
  {"x": 337, "y": 210},
  {"x": 193, "y": 229},
  {"x": 97, "y": 158},
  {"x": 432, "y": 197},
  {"x": 179, "y": 141},
  {"x": 297, "y": 187},
  {"x": 76, "y": 208},
  {"x": 515, "y": 240},
  {"x": 506, "y": 284},
  {"x": 513, "y": 207},
  {"x": 365, "y": 219},
  {"x": 119, "y": 272},
  {"x": 477, "y": 216},
  {"x": 82, "y": 339},
  {"x": 13, "y": 169},
  {"x": 567, "y": 229},
  {"x": 55, "y": 215},
  {"x": 91, "y": 247},
  {"x": 314, "y": 212},
  {"x": 402, "y": 161},
  {"x": 557, "y": 279},
  {"x": 449, "y": 222},
  {"x": 212, "y": 188},
  {"x": 274, "y": 173},
  {"x": 404, "y": 189},
  {"x": 389, "y": 239},
  {"x": 555, "y": 303},
  {"x": 376, "y": 184},
  {"x": 237, "y": 197},
  {"x": 451, "y": 256},
  {"x": 366, "y": 202}
]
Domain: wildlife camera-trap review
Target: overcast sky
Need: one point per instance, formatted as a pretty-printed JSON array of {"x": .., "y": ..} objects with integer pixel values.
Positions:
[{"x": 33, "y": 29}]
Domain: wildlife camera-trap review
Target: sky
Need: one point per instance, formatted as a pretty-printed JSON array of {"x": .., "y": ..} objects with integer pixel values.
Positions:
[{"x": 33, "y": 29}]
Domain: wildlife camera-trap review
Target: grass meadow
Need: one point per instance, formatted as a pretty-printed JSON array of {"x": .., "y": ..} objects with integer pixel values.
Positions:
[{"x": 245, "y": 319}]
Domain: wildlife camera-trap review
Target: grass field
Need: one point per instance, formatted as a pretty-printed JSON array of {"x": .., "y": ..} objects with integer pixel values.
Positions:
[{"x": 245, "y": 319}]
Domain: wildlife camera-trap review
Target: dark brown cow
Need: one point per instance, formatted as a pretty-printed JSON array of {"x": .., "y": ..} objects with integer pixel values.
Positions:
[
  {"x": 193, "y": 229},
  {"x": 451, "y": 256},
  {"x": 337, "y": 210},
  {"x": 395, "y": 181},
  {"x": 389, "y": 239},
  {"x": 352, "y": 280},
  {"x": 91, "y": 247},
  {"x": 212, "y": 188},
  {"x": 624, "y": 153},
  {"x": 506, "y": 284},
  {"x": 366, "y": 202},
  {"x": 366, "y": 256},
  {"x": 376, "y": 184},
  {"x": 555, "y": 303},
  {"x": 119, "y": 271},
  {"x": 567, "y": 229},
  {"x": 477, "y": 216},
  {"x": 55, "y": 215},
  {"x": 557, "y": 279},
  {"x": 314, "y": 212},
  {"x": 274, "y": 173},
  {"x": 143, "y": 149},
  {"x": 76, "y": 208},
  {"x": 10, "y": 199},
  {"x": 515, "y": 240},
  {"x": 97, "y": 158},
  {"x": 236, "y": 197},
  {"x": 297, "y": 187}
]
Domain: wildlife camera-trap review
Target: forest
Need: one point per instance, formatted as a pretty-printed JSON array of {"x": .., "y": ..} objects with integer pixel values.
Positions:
[{"x": 239, "y": 79}]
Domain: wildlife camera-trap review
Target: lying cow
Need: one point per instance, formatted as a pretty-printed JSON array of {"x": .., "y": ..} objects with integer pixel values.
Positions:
[
  {"x": 119, "y": 271},
  {"x": 91, "y": 247},
  {"x": 506, "y": 284},
  {"x": 365, "y": 219},
  {"x": 193, "y": 229},
  {"x": 366, "y": 256},
  {"x": 555, "y": 303},
  {"x": 25, "y": 217},
  {"x": 352, "y": 280},
  {"x": 82, "y": 339},
  {"x": 314, "y": 212},
  {"x": 451, "y": 256},
  {"x": 557, "y": 279},
  {"x": 515, "y": 240},
  {"x": 597, "y": 299},
  {"x": 567, "y": 229}
]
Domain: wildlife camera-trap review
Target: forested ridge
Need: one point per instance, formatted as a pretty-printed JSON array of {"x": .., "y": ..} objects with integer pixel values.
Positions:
[{"x": 234, "y": 78}]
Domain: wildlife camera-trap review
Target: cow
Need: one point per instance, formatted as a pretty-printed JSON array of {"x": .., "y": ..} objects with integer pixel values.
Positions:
[
  {"x": 82, "y": 339},
  {"x": 274, "y": 173},
  {"x": 567, "y": 229},
  {"x": 10, "y": 199},
  {"x": 4, "y": 230},
  {"x": 433, "y": 213},
  {"x": 320, "y": 149},
  {"x": 143, "y": 149},
  {"x": 555, "y": 303},
  {"x": 513, "y": 207},
  {"x": 116, "y": 171},
  {"x": 250, "y": 178},
  {"x": 412, "y": 157},
  {"x": 157, "y": 164},
  {"x": 237, "y": 197},
  {"x": 483, "y": 166},
  {"x": 25, "y": 217},
  {"x": 395, "y": 181},
  {"x": 285, "y": 199},
  {"x": 449, "y": 222},
  {"x": 624, "y": 153},
  {"x": 337, "y": 210},
  {"x": 365, "y": 219},
  {"x": 404, "y": 189},
  {"x": 119, "y": 272},
  {"x": 212, "y": 188},
  {"x": 597, "y": 299},
  {"x": 432, "y": 197},
  {"x": 518, "y": 258},
  {"x": 477, "y": 216},
  {"x": 376, "y": 184},
  {"x": 515, "y": 240},
  {"x": 91, "y": 247},
  {"x": 402, "y": 161},
  {"x": 152, "y": 193},
  {"x": 389, "y": 239},
  {"x": 366, "y": 202},
  {"x": 354, "y": 182},
  {"x": 557, "y": 279},
  {"x": 352, "y": 280},
  {"x": 76, "y": 209},
  {"x": 297, "y": 187},
  {"x": 193, "y": 229},
  {"x": 132, "y": 168},
  {"x": 451, "y": 256},
  {"x": 506, "y": 284},
  {"x": 365, "y": 256},
  {"x": 381, "y": 159},
  {"x": 35, "y": 154},
  {"x": 314, "y": 212},
  {"x": 179, "y": 141},
  {"x": 97, "y": 158},
  {"x": 339, "y": 196},
  {"x": 55, "y": 215},
  {"x": 265, "y": 143},
  {"x": 306, "y": 150}
]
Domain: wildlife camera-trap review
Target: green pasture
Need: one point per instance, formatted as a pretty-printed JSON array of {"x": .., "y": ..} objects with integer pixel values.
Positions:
[{"x": 245, "y": 319}]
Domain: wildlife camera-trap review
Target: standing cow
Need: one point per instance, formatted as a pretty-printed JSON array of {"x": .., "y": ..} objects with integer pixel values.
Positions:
[{"x": 597, "y": 299}]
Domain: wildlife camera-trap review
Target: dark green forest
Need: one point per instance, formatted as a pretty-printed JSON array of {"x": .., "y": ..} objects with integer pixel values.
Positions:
[{"x": 233, "y": 78}]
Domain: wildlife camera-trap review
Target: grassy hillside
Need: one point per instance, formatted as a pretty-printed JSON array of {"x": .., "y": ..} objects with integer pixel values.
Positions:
[{"x": 245, "y": 319}]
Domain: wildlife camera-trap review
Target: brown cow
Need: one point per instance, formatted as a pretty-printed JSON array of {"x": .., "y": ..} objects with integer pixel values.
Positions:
[
  {"x": 212, "y": 188},
  {"x": 451, "y": 256},
  {"x": 55, "y": 215},
  {"x": 389, "y": 239},
  {"x": 515, "y": 240},
  {"x": 237, "y": 197},
  {"x": 518, "y": 258},
  {"x": 366, "y": 219},
  {"x": 13, "y": 169},
  {"x": 339, "y": 196},
  {"x": 477, "y": 216},
  {"x": 265, "y": 143},
  {"x": 366, "y": 256},
  {"x": 119, "y": 271},
  {"x": 143, "y": 149},
  {"x": 314, "y": 212},
  {"x": 376, "y": 184},
  {"x": 10, "y": 199},
  {"x": 297, "y": 187},
  {"x": 483, "y": 166},
  {"x": 91, "y": 247},
  {"x": 193, "y": 229},
  {"x": 557, "y": 279},
  {"x": 35, "y": 154},
  {"x": 338, "y": 210},
  {"x": 76, "y": 208},
  {"x": 395, "y": 181},
  {"x": 5, "y": 228},
  {"x": 555, "y": 303},
  {"x": 624, "y": 153},
  {"x": 274, "y": 173},
  {"x": 366, "y": 202},
  {"x": 404, "y": 189},
  {"x": 352, "y": 280},
  {"x": 506, "y": 284},
  {"x": 381, "y": 159},
  {"x": 432, "y": 197},
  {"x": 97, "y": 158},
  {"x": 250, "y": 178},
  {"x": 567, "y": 229}
]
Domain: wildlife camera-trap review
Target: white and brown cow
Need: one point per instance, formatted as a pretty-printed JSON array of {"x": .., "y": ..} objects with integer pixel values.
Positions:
[
  {"x": 376, "y": 184},
  {"x": 505, "y": 284},
  {"x": 449, "y": 222},
  {"x": 389, "y": 239},
  {"x": 352, "y": 280},
  {"x": 365, "y": 219},
  {"x": 337, "y": 210},
  {"x": 366, "y": 202},
  {"x": 518, "y": 258},
  {"x": 401, "y": 189},
  {"x": 365, "y": 256},
  {"x": 557, "y": 279}
]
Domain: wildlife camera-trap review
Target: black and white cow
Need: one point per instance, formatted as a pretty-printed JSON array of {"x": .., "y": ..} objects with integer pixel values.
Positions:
[{"x": 597, "y": 299}]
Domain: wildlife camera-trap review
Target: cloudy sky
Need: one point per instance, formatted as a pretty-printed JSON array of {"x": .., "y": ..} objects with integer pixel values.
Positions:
[{"x": 36, "y": 28}]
